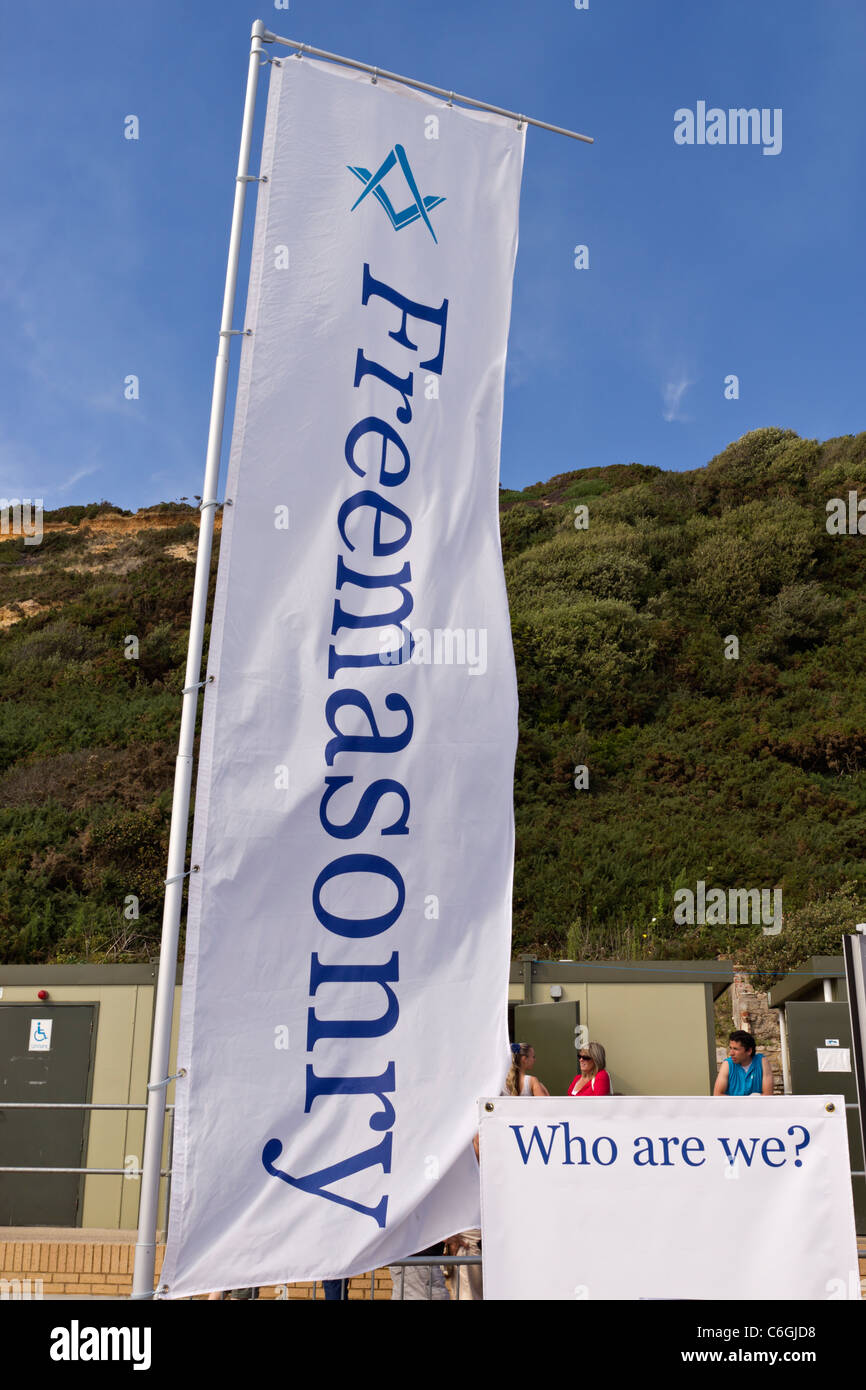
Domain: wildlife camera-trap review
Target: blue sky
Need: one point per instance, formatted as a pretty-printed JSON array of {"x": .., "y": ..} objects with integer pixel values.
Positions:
[{"x": 704, "y": 260}]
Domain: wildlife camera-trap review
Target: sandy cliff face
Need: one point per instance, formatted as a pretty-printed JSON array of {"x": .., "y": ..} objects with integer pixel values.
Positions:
[
  {"x": 101, "y": 544},
  {"x": 13, "y": 612},
  {"x": 112, "y": 525}
]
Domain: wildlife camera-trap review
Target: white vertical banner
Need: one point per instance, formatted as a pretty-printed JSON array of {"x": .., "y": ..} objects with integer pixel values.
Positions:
[{"x": 348, "y": 939}]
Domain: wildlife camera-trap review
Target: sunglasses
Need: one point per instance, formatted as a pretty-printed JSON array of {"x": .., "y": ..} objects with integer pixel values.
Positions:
[{"x": 584, "y": 1057}]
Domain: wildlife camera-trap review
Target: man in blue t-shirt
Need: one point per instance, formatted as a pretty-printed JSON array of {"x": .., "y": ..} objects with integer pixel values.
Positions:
[{"x": 745, "y": 1072}]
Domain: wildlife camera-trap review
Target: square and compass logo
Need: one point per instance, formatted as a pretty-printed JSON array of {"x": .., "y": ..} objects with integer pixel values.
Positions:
[{"x": 419, "y": 208}]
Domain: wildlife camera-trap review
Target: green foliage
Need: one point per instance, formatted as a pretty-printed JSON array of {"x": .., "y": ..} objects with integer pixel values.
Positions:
[
  {"x": 798, "y": 618},
  {"x": 52, "y": 543},
  {"x": 794, "y": 463},
  {"x": 815, "y": 929},
  {"x": 585, "y": 660},
  {"x": 64, "y": 885},
  {"x": 745, "y": 466},
  {"x": 153, "y": 543},
  {"x": 569, "y": 564},
  {"x": 586, "y": 482},
  {"x": 134, "y": 844},
  {"x": 743, "y": 773},
  {"x": 842, "y": 465},
  {"x": 88, "y": 738},
  {"x": 162, "y": 507},
  {"x": 521, "y": 526},
  {"x": 749, "y": 551},
  {"x": 76, "y": 514},
  {"x": 782, "y": 538},
  {"x": 726, "y": 581}
]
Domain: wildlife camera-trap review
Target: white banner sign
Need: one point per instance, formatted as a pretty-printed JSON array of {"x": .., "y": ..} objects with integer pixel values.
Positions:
[
  {"x": 686, "y": 1197},
  {"x": 349, "y": 926}
]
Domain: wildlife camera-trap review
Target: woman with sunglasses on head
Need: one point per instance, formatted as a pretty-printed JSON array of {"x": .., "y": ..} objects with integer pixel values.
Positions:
[
  {"x": 519, "y": 1082},
  {"x": 592, "y": 1079}
]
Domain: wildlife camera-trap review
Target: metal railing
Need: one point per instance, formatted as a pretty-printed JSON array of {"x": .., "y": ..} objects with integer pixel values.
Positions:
[
  {"x": 423, "y": 1261},
  {"x": 88, "y": 1106},
  {"x": 81, "y": 1105},
  {"x": 430, "y": 1262}
]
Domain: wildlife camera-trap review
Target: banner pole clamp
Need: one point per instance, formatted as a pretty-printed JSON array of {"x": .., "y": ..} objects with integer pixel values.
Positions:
[
  {"x": 198, "y": 685},
  {"x": 158, "y": 1085},
  {"x": 176, "y": 878},
  {"x": 251, "y": 178}
]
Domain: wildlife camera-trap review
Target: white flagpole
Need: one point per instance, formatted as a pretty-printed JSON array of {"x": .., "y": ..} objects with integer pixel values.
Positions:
[{"x": 145, "y": 1250}]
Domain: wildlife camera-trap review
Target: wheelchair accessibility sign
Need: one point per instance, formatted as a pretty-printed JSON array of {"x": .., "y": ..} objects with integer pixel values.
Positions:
[{"x": 40, "y": 1035}]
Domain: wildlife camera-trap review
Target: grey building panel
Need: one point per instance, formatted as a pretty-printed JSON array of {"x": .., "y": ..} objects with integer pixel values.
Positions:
[
  {"x": 719, "y": 974},
  {"x": 807, "y": 979}
]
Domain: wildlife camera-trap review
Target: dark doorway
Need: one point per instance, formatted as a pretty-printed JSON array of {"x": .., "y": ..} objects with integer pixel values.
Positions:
[
  {"x": 553, "y": 1030},
  {"x": 813, "y": 1028},
  {"x": 45, "y": 1055}
]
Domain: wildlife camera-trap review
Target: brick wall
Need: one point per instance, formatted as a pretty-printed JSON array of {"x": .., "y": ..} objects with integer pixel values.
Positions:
[
  {"x": 69, "y": 1267},
  {"x": 103, "y": 1268}
]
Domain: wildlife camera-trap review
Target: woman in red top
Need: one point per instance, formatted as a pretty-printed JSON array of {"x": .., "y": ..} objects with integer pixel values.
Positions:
[{"x": 593, "y": 1080}]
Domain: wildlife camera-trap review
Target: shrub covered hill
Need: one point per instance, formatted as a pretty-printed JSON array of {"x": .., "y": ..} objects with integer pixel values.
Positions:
[{"x": 691, "y": 640}]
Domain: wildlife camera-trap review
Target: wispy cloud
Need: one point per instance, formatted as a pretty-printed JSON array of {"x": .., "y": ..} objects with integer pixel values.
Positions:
[
  {"x": 76, "y": 478},
  {"x": 672, "y": 394}
]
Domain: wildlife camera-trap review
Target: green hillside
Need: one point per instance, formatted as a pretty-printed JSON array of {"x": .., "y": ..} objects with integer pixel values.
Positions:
[{"x": 744, "y": 771}]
